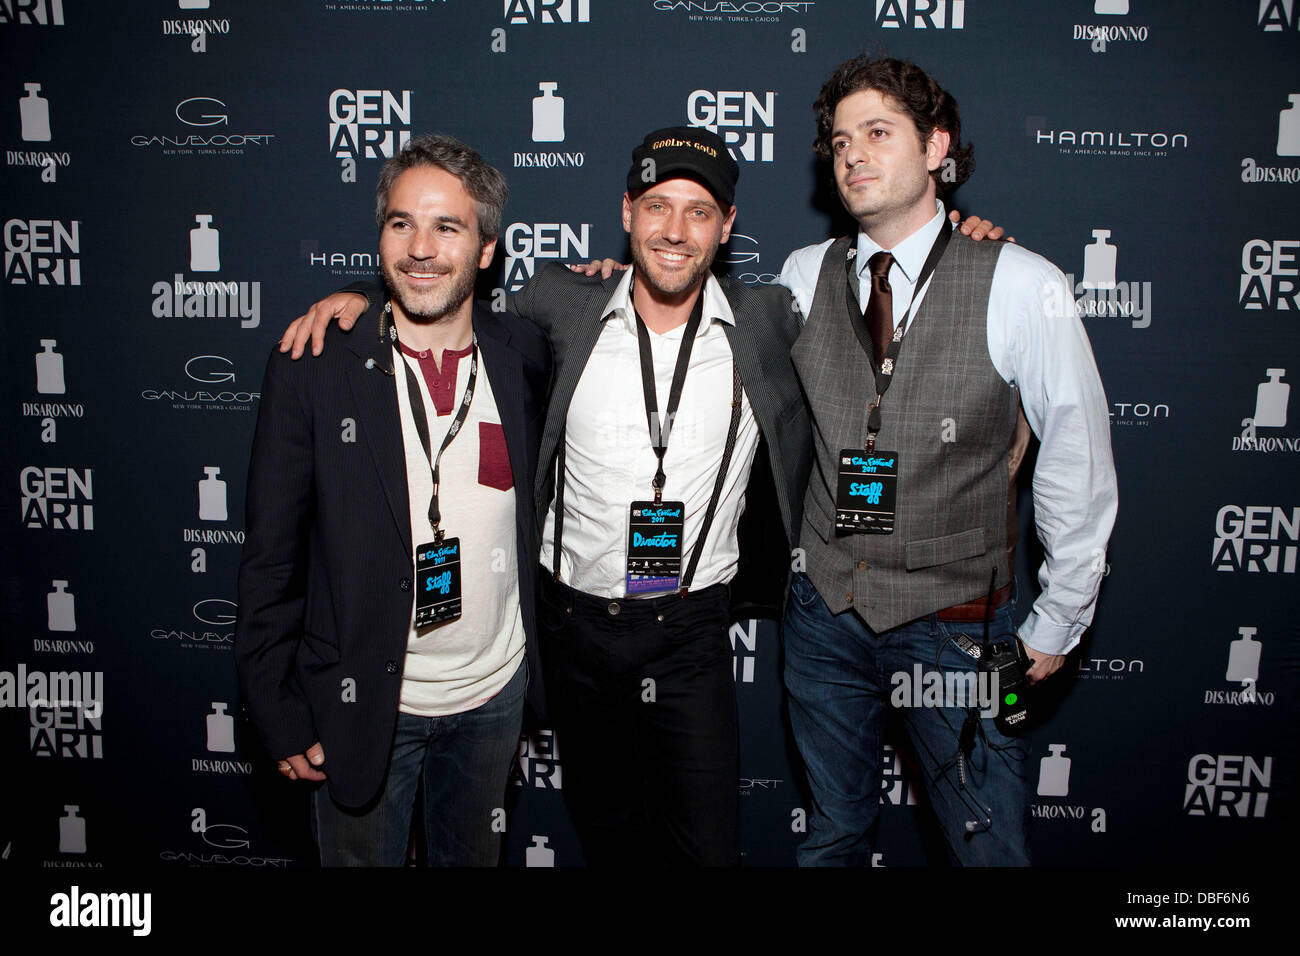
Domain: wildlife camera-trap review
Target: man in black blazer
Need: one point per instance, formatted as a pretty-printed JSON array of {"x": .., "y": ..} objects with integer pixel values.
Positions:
[
  {"x": 638, "y": 661},
  {"x": 400, "y": 466}
]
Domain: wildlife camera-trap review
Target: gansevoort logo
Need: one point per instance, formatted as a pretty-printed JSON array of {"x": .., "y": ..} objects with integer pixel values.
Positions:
[
  {"x": 743, "y": 250},
  {"x": 220, "y": 836},
  {"x": 206, "y": 370},
  {"x": 733, "y": 10},
  {"x": 199, "y": 111}
]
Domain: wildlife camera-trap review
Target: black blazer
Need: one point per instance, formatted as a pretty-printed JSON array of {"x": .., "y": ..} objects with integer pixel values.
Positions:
[
  {"x": 325, "y": 579},
  {"x": 569, "y": 307}
]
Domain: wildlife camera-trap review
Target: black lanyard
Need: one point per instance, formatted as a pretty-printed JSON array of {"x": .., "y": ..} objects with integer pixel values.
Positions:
[
  {"x": 885, "y": 373},
  {"x": 659, "y": 428},
  {"x": 418, "y": 413}
]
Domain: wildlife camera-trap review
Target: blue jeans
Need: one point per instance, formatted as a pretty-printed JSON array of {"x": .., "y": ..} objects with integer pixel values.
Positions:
[
  {"x": 841, "y": 676},
  {"x": 463, "y": 759}
]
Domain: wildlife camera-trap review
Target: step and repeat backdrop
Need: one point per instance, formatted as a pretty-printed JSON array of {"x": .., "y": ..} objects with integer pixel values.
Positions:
[{"x": 183, "y": 177}]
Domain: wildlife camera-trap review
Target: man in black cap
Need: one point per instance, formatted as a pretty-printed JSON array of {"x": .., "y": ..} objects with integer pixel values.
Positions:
[
  {"x": 675, "y": 409},
  {"x": 674, "y": 412}
]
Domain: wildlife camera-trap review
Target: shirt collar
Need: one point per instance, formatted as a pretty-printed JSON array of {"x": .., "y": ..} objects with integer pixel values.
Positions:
[
  {"x": 909, "y": 255},
  {"x": 715, "y": 303}
]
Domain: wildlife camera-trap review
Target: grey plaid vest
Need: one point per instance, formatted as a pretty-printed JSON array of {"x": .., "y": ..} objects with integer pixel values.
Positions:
[{"x": 950, "y": 417}]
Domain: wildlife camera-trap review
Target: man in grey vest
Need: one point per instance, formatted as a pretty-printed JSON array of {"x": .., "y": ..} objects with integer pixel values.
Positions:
[{"x": 916, "y": 344}]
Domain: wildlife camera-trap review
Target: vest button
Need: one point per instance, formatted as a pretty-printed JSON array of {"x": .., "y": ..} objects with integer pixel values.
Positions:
[
  {"x": 862, "y": 565},
  {"x": 391, "y": 667},
  {"x": 404, "y": 584},
  {"x": 848, "y": 598}
]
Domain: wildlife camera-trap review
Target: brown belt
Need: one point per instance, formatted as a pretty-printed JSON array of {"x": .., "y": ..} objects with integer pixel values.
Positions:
[{"x": 974, "y": 611}]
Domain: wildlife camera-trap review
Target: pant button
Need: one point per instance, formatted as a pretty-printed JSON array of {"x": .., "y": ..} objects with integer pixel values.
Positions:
[
  {"x": 659, "y": 617},
  {"x": 848, "y": 598},
  {"x": 613, "y": 607},
  {"x": 862, "y": 565}
]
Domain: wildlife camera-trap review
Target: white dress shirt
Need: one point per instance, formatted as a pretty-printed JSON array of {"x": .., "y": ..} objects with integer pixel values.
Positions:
[
  {"x": 609, "y": 461},
  {"x": 1037, "y": 343}
]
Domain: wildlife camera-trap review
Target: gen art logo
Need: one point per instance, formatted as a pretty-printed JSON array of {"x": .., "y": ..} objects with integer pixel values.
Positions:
[
  {"x": 1227, "y": 785},
  {"x": 42, "y": 252},
  {"x": 743, "y": 118},
  {"x": 367, "y": 124}
]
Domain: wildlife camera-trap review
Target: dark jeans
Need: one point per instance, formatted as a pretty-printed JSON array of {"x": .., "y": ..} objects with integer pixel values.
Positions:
[
  {"x": 841, "y": 677},
  {"x": 644, "y": 707},
  {"x": 463, "y": 760}
]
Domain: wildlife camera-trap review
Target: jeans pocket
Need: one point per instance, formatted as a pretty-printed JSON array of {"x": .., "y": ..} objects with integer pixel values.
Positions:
[{"x": 802, "y": 590}]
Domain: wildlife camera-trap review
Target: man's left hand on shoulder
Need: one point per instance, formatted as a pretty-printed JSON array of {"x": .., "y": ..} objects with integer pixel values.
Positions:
[{"x": 977, "y": 228}]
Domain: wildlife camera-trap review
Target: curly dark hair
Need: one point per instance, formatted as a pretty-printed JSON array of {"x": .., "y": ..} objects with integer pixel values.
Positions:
[{"x": 915, "y": 93}]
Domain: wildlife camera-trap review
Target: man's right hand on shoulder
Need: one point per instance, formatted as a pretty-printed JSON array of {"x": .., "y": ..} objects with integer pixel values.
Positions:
[
  {"x": 601, "y": 267},
  {"x": 303, "y": 766},
  {"x": 345, "y": 306}
]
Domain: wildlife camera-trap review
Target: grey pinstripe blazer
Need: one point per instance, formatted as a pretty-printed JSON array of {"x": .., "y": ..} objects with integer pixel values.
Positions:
[{"x": 568, "y": 308}]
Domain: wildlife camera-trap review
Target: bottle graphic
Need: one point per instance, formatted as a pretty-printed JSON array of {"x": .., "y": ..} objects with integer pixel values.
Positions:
[
  {"x": 72, "y": 830},
  {"x": 539, "y": 854},
  {"x": 61, "y": 611},
  {"x": 205, "y": 255},
  {"x": 1288, "y": 128},
  {"x": 1113, "y": 7},
  {"x": 1054, "y": 773},
  {"x": 212, "y": 496},
  {"x": 548, "y": 115},
  {"x": 34, "y": 111},
  {"x": 1243, "y": 658},
  {"x": 1271, "y": 400},
  {"x": 221, "y": 730},
  {"x": 1099, "y": 262},
  {"x": 192, "y": 4},
  {"x": 49, "y": 369}
]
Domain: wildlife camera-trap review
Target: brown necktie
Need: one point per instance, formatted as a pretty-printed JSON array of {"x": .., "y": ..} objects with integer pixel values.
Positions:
[{"x": 880, "y": 307}]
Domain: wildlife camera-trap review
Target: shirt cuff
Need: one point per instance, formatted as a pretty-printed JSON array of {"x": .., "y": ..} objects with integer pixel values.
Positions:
[{"x": 1047, "y": 637}]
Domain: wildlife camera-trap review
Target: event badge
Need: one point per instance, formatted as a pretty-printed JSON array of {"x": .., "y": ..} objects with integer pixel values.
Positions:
[
  {"x": 868, "y": 489},
  {"x": 654, "y": 546},
  {"x": 437, "y": 576}
]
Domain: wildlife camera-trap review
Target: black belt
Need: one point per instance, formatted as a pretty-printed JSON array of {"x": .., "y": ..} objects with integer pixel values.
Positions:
[{"x": 647, "y": 608}]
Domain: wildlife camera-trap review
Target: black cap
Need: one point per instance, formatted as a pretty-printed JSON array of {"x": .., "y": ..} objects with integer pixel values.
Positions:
[{"x": 690, "y": 151}]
